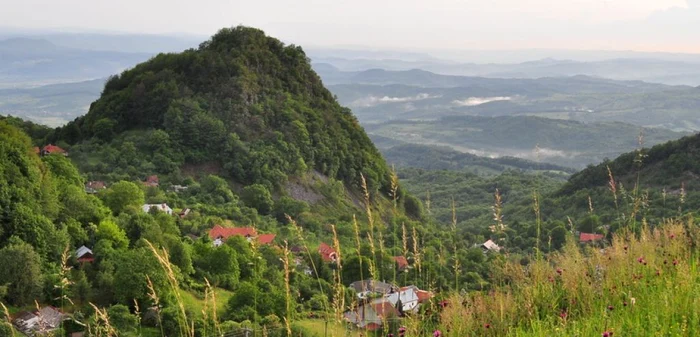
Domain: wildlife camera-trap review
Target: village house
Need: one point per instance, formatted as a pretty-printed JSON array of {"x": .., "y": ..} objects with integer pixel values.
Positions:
[
  {"x": 490, "y": 246},
  {"x": 401, "y": 263},
  {"x": 93, "y": 187},
  {"x": 159, "y": 207},
  {"x": 406, "y": 297},
  {"x": 151, "y": 181},
  {"x": 368, "y": 288},
  {"x": 588, "y": 237},
  {"x": 178, "y": 188},
  {"x": 39, "y": 322},
  {"x": 328, "y": 254},
  {"x": 52, "y": 149},
  {"x": 184, "y": 213},
  {"x": 220, "y": 234},
  {"x": 371, "y": 316},
  {"x": 392, "y": 302},
  {"x": 84, "y": 255}
]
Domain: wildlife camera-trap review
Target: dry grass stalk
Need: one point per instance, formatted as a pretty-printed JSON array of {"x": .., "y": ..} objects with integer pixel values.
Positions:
[
  {"x": 8, "y": 318},
  {"x": 153, "y": 295},
  {"x": 64, "y": 281},
  {"x": 358, "y": 243},
  {"x": 497, "y": 208},
  {"x": 370, "y": 231},
  {"x": 298, "y": 230},
  {"x": 416, "y": 251},
  {"x": 288, "y": 292},
  {"x": 212, "y": 297},
  {"x": 101, "y": 326},
  {"x": 164, "y": 261},
  {"x": 612, "y": 186},
  {"x": 427, "y": 202},
  {"x": 394, "y": 187},
  {"x": 456, "y": 266},
  {"x": 538, "y": 219},
  {"x": 590, "y": 205}
]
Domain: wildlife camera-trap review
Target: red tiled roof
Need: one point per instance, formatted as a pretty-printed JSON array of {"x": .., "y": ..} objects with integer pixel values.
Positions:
[
  {"x": 384, "y": 309},
  {"x": 401, "y": 261},
  {"x": 373, "y": 326},
  {"x": 151, "y": 181},
  {"x": 423, "y": 295},
  {"x": 225, "y": 233},
  {"x": 587, "y": 237},
  {"x": 266, "y": 239},
  {"x": 327, "y": 253},
  {"x": 53, "y": 149}
]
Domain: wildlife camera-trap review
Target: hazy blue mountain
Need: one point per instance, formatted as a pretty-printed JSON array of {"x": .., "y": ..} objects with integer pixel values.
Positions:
[
  {"x": 30, "y": 62},
  {"x": 673, "y": 71}
]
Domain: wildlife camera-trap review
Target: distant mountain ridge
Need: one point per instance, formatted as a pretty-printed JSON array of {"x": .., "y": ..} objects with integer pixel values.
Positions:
[{"x": 675, "y": 71}]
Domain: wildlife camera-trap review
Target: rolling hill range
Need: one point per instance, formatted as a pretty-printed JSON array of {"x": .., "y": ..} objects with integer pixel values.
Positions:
[
  {"x": 379, "y": 95},
  {"x": 566, "y": 143},
  {"x": 53, "y": 105},
  {"x": 660, "y": 68},
  {"x": 27, "y": 62}
]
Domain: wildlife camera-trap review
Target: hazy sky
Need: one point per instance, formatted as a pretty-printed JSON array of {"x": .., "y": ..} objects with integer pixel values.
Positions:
[{"x": 648, "y": 25}]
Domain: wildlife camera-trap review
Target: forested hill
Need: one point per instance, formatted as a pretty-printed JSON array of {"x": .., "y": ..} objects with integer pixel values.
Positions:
[
  {"x": 666, "y": 165},
  {"x": 243, "y": 102}
]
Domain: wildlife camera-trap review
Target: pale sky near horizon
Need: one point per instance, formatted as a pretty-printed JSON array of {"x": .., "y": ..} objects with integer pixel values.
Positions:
[{"x": 643, "y": 25}]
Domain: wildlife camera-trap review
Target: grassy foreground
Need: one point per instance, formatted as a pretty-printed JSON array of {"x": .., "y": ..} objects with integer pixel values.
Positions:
[{"x": 641, "y": 285}]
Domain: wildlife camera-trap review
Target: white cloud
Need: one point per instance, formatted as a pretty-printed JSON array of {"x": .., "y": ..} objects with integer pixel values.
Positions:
[
  {"x": 474, "y": 101},
  {"x": 376, "y": 100}
]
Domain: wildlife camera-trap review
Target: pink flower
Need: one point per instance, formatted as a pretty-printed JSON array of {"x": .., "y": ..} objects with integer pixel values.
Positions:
[
  {"x": 675, "y": 262},
  {"x": 611, "y": 308},
  {"x": 487, "y": 326},
  {"x": 437, "y": 333}
]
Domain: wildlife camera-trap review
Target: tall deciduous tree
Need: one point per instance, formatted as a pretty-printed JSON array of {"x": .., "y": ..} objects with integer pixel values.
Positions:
[
  {"x": 122, "y": 195},
  {"x": 21, "y": 269}
]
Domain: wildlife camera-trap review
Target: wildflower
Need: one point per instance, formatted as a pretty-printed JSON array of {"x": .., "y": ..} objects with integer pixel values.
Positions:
[
  {"x": 658, "y": 272},
  {"x": 673, "y": 236},
  {"x": 641, "y": 259},
  {"x": 611, "y": 308},
  {"x": 675, "y": 262},
  {"x": 390, "y": 335},
  {"x": 437, "y": 333},
  {"x": 402, "y": 331},
  {"x": 624, "y": 304},
  {"x": 559, "y": 271},
  {"x": 607, "y": 334},
  {"x": 487, "y": 326},
  {"x": 625, "y": 247},
  {"x": 563, "y": 315}
]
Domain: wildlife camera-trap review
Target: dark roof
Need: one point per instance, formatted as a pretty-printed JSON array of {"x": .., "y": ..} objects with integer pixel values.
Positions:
[{"x": 372, "y": 285}]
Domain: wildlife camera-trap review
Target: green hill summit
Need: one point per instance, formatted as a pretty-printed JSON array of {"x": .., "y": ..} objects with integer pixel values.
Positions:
[{"x": 243, "y": 102}]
